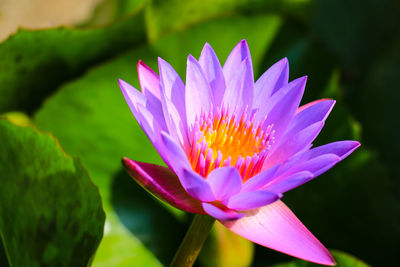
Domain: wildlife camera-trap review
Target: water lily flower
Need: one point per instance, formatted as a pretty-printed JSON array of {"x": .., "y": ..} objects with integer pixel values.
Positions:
[{"x": 234, "y": 146}]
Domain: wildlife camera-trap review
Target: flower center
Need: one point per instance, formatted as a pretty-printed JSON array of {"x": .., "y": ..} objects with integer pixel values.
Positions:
[{"x": 221, "y": 139}]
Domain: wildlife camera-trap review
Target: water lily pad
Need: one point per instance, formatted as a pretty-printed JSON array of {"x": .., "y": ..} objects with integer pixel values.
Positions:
[{"x": 50, "y": 212}]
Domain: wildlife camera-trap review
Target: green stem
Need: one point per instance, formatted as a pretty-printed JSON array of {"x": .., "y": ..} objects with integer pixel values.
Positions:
[{"x": 193, "y": 242}]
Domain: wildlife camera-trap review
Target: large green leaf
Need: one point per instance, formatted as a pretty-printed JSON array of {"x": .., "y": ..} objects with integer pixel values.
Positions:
[
  {"x": 50, "y": 212},
  {"x": 34, "y": 63},
  {"x": 108, "y": 11},
  {"x": 92, "y": 120},
  {"x": 342, "y": 260},
  {"x": 163, "y": 17}
]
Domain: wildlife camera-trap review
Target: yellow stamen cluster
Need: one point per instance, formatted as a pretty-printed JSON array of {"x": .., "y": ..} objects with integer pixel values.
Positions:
[{"x": 221, "y": 140}]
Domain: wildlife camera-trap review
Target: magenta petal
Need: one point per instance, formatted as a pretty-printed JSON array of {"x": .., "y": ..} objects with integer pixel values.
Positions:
[
  {"x": 213, "y": 72},
  {"x": 198, "y": 95},
  {"x": 252, "y": 200},
  {"x": 293, "y": 181},
  {"x": 224, "y": 182},
  {"x": 276, "y": 227},
  {"x": 260, "y": 179},
  {"x": 271, "y": 81},
  {"x": 219, "y": 214},
  {"x": 238, "y": 54},
  {"x": 163, "y": 183},
  {"x": 149, "y": 81}
]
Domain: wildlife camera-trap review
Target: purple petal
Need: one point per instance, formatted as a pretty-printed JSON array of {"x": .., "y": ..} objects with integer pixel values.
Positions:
[
  {"x": 149, "y": 81},
  {"x": 151, "y": 119},
  {"x": 260, "y": 179},
  {"x": 320, "y": 159},
  {"x": 303, "y": 107},
  {"x": 271, "y": 81},
  {"x": 173, "y": 88},
  {"x": 238, "y": 54},
  {"x": 196, "y": 185},
  {"x": 252, "y": 200},
  {"x": 176, "y": 126},
  {"x": 213, "y": 72},
  {"x": 240, "y": 87},
  {"x": 132, "y": 96},
  {"x": 317, "y": 165},
  {"x": 316, "y": 112},
  {"x": 219, "y": 214},
  {"x": 174, "y": 152},
  {"x": 198, "y": 95},
  {"x": 224, "y": 182},
  {"x": 341, "y": 148},
  {"x": 163, "y": 183},
  {"x": 292, "y": 143},
  {"x": 276, "y": 227},
  {"x": 193, "y": 183},
  {"x": 281, "y": 107},
  {"x": 291, "y": 182}
]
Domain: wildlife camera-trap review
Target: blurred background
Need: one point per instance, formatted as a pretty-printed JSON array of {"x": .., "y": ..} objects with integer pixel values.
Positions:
[{"x": 59, "y": 65}]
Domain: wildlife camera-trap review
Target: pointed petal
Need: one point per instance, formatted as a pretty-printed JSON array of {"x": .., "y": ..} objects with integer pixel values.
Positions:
[
  {"x": 317, "y": 165},
  {"x": 276, "y": 227},
  {"x": 163, "y": 183},
  {"x": 148, "y": 116},
  {"x": 260, "y": 179},
  {"x": 198, "y": 95},
  {"x": 132, "y": 96},
  {"x": 213, "y": 72},
  {"x": 149, "y": 81},
  {"x": 271, "y": 81},
  {"x": 341, "y": 148},
  {"x": 252, "y": 200},
  {"x": 303, "y": 107},
  {"x": 240, "y": 88},
  {"x": 172, "y": 88},
  {"x": 293, "y": 143},
  {"x": 320, "y": 159},
  {"x": 293, "y": 181},
  {"x": 238, "y": 54},
  {"x": 224, "y": 182},
  {"x": 173, "y": 120},
  {"x": 314, "y": 112},
  {"x": 281, "y": 107},
  {"x": 219, "y": 214}
]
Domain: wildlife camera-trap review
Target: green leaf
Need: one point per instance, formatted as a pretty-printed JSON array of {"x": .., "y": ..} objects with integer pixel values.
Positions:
[
  {"x": 91, "y": 119},
  {"x": 163, "y": 17},
  {"x": 108, "y": 11},
  {"x": 50, "y": 212},
  {"x": 342, "y": 260},
  {"x": 29, "y": 73}
]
